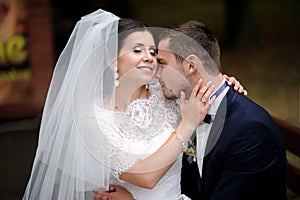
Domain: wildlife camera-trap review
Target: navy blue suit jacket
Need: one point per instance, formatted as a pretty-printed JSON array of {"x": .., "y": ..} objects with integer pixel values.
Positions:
[{"x": 244, "y": 157}]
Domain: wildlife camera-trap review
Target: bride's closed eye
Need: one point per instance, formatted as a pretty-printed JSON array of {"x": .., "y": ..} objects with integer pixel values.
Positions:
[
  {"x": 137, "y": 49},
  {"x": 152, "y": 51}
]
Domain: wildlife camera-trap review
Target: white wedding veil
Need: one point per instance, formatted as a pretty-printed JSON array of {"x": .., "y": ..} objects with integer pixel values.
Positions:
[{"x": 65, "y": 165}]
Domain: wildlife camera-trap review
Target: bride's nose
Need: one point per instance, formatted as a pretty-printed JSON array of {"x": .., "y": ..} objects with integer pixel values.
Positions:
[{"x": 148, "y": 57}]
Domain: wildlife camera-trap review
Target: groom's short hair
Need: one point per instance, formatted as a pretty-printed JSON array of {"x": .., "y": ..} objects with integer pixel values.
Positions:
[{"x": 193, "y": 37}]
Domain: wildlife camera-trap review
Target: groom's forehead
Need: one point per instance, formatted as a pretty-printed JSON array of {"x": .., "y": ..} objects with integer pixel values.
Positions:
[
  {"x": 164, "y": 52},
  {"x": 165, "y": 55}
]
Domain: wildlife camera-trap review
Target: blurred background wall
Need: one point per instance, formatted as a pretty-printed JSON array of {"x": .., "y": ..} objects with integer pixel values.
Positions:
[
  {"x": 260, "y": 44},
  {"x": 260, "y": 40}
]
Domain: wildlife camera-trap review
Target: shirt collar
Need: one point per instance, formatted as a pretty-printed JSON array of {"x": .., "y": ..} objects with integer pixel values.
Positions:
[{"x": 220, "y": 92}]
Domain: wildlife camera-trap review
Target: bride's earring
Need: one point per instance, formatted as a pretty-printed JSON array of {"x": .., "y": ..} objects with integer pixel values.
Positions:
[
  {"x": 147, "y": 86},
  {"x": 116, "y": 78}
]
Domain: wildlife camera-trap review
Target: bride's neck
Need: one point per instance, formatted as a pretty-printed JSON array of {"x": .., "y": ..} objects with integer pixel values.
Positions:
[{"x": 125, "y": 96}]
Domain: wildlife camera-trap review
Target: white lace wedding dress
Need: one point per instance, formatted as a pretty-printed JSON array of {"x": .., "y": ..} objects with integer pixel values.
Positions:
[{"x": 138, "y": 132}]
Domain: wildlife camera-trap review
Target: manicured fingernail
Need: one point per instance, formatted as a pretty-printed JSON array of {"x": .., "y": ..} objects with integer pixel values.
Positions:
[
  {"x": 200, "y": 80},
  {"x": 181, "y": 93}
]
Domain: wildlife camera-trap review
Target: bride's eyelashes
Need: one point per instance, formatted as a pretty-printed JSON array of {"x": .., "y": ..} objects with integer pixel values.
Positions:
[
  {"x": 137, "y": 50},
  {"x": 152, "y": 51}
]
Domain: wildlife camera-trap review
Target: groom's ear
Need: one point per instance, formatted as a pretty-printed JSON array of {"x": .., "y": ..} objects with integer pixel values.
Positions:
[{"x": 191, "y": 64}]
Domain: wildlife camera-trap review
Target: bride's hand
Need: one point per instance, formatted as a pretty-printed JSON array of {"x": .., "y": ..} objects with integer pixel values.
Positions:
[
  {"x": 115, "y": 193},
  {"x": 194, "y": 110},
  {"x": 237, "y": 85}
]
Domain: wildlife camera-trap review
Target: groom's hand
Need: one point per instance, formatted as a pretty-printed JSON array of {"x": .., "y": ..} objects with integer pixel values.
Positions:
[{"x": 115, "y": 193}]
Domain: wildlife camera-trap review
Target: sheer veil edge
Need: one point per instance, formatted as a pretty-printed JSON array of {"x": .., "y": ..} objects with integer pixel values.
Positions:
[{"x": 72, "y": 155}]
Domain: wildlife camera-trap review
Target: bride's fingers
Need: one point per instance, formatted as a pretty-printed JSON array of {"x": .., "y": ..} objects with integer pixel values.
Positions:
[
  {"x": 196, "y": 88},
  {"x": 239, "y": 89},
  {"x": 204, "y": 92},
  {"x": 209, "y": 103},
  {"x": 182, "y": 99},
  {"x": 207, "y": 93},
  {"x": 112, "y": 188},
  {"x": 205, "y": 108},
  {"x": 237, "y": 86},
  {"x": 100, "y": 197},
  {"x": 230, "y": 80}
]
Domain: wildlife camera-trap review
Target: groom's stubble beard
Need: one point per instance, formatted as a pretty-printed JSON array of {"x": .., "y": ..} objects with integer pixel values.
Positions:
[
  {"x": 174, "y": 91},
  {"x": 168, "y": 93}
]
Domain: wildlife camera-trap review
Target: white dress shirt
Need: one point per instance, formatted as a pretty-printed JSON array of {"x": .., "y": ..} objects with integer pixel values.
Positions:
[{"x": 203, "y": 130}]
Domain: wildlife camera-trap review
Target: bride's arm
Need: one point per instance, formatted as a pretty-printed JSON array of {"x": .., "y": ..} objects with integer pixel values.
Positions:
[{"x": 147, "y": 172}]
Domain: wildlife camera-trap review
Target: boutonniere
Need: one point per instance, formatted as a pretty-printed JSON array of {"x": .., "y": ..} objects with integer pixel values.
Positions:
[{"x": 191, "y": 151}]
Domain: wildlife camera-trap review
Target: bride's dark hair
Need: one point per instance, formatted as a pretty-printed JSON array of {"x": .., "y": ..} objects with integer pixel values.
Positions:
[{"x": 127, "y": 26}]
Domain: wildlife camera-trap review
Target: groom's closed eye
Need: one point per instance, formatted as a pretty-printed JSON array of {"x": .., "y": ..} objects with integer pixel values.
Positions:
[{"x": 161, "y": 61}]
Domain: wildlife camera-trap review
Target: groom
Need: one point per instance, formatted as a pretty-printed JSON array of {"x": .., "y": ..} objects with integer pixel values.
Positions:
[{"x": 240, "y": 152}]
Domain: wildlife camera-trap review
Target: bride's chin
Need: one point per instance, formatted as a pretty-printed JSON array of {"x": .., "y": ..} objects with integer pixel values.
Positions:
[{"x": 146, "y": 79}]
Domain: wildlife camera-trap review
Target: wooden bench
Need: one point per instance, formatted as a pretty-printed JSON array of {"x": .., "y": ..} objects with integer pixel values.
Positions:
[{"x": 291, "y": 135}]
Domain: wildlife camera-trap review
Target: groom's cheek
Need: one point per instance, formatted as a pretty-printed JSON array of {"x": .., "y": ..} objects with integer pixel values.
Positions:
[{"x": 174, "y": 81}]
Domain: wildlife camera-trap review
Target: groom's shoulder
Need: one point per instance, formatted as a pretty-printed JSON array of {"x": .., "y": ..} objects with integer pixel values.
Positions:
[
  {"x": 249, "y": 111},
  {"x": 245, "y": 103}
]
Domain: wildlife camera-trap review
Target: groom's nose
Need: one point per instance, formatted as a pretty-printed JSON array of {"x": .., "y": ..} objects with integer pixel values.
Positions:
[{"x": 158, "y": 72}]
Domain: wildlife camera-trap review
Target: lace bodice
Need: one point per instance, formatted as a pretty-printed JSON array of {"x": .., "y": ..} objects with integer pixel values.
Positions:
[
  {"x": 146, "y": 119},
  {"x": 138, "y": 132}
]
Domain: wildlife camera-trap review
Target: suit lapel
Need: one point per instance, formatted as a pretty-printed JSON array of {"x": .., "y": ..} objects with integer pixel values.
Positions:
[{"x": 219, "y": 120}]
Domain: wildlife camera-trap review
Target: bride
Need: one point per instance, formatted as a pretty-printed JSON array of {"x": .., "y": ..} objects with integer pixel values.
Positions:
[{"x": 103, "y": 124}]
